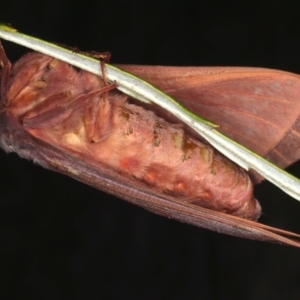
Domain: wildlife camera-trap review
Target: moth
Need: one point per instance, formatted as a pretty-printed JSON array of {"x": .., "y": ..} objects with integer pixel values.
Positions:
[{"x": 71, "y": 121}]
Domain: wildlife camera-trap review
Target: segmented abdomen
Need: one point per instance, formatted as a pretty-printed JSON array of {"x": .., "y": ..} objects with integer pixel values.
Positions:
[{"x": 72, "y": 109}]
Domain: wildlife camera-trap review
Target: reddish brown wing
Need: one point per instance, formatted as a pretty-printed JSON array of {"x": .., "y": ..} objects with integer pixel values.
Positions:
[
  {"x": 16, "y": 138},
  {"x": 140, "y": 194},
  {"x": 258, "y": 108}
]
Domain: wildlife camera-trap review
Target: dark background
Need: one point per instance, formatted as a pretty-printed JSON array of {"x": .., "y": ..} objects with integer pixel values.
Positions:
[{"x": 60, "y": 239}]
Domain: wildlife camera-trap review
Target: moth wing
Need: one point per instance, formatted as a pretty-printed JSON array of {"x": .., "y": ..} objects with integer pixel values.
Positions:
[
  {"x": 153, "y": 200},
  {"x": 259, "y": 108},
  {"x": 57, "y": 158}
]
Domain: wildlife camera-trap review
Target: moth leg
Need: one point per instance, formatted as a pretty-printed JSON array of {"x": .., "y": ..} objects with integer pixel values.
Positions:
[
  {"x": 98, "y": 115},
  {"x": 97, "y": 118},
  {"x": 59, "y": 107},
  {"x": 98, "y": 111},
  {"x": 53, "y": 110},
  {"x": 104, "y": 58}
]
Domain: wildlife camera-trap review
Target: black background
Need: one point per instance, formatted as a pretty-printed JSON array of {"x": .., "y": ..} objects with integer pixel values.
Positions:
[{"x": 60, "y": 239}]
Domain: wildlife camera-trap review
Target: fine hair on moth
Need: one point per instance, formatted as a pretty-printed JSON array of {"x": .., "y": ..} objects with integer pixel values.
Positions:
[{"x": 71, "y": 121}]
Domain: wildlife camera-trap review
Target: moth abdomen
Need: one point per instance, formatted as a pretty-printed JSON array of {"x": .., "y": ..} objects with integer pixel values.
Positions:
[{"x": 69, "y": 112}]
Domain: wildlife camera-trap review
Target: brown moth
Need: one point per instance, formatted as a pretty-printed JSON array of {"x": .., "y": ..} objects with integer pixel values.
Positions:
[{"x": 71, "y": 121}]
